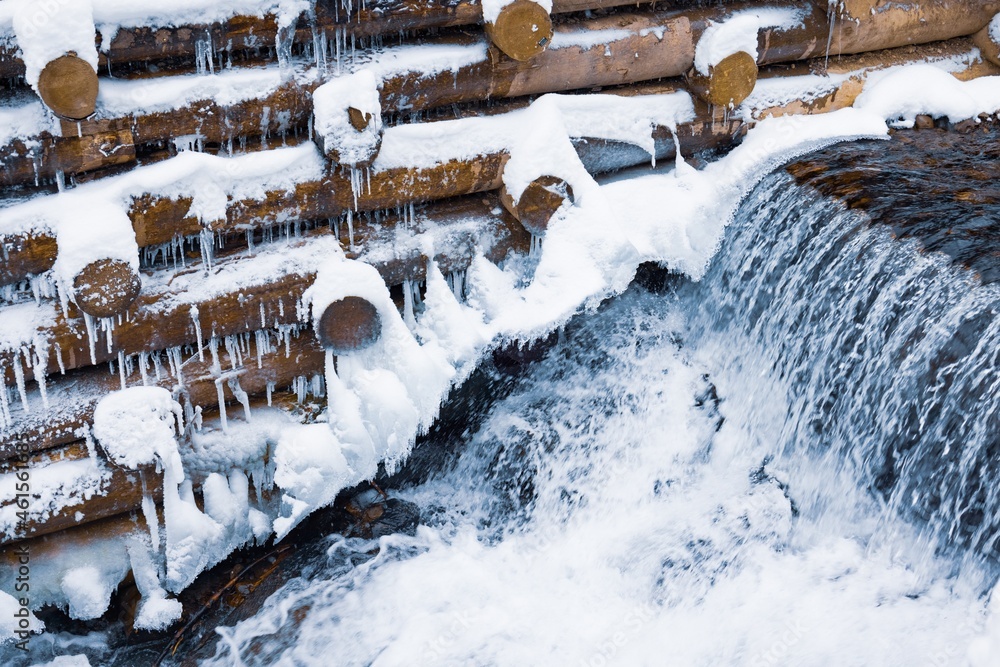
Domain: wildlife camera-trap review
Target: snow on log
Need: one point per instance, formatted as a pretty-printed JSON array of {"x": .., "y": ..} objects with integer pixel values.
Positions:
[
  {"x": 242, "y": 294},
  {"x": 347, "y": 119},
  {"x": 97, "y": 265},
  {"x": 521, "y": 29},
  {"x": 72, "y": 488},
  {"x": 269, "y": 360},
  {"x": 349, "y": 324},
  {"x": 538, "y": 202},
  {"x": 988, "y": 40},
  {"x": 59, "y": 54}
]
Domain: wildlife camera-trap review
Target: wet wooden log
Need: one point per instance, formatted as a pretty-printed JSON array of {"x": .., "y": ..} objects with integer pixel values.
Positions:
[
  {"x": 72, "y": 398},
  {"x": 121, "y": 493},
  {"x": 348, "y": 325},
  {"x": 25, "y": 254},
  {"x": 68, "y": 86},
  {"x": 165, "y": 316},
  {"x": 538, "y": 203}
]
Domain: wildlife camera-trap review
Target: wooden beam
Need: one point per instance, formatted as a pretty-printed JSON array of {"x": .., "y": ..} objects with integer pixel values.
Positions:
[{"x": 165, "y": 317}]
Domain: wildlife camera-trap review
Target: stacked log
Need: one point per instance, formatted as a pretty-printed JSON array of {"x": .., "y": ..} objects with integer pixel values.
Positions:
[{"x": 223, "y": 327}]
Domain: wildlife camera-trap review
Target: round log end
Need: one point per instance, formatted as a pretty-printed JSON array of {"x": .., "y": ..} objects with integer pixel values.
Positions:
[
  {"x": 106, "y": 287},
  {"x": 349, "y": 325},
  {"x": 988, "y": 46},
  {"x": 68, "y": 86},
  {"x": 728, "y": 83},
  {"x": 522, "y": 30},
  {"x": 538, "y": 203}
]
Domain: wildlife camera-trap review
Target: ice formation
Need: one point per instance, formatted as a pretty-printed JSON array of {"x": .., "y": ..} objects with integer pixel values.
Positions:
[{"x": 380, "y": 398}]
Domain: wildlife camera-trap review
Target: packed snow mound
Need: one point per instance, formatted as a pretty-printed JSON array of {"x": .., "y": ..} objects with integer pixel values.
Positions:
[
  {"x": 138, "y": 426},
  {"x": 738, "y": 33},
  {"x": 47, "y": 30},
  {"x": 904, "y": 93}
]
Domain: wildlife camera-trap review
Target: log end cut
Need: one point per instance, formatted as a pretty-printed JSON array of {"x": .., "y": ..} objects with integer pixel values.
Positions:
[
  {"x": 106, "y": 287},
  {"x": 349, "y": 324},
  {"x": 522, "y": 29},
  {"x": 68, "y": 86},
  {"x": 538, "y": 203},
  {"x": 728, "y": 83}
]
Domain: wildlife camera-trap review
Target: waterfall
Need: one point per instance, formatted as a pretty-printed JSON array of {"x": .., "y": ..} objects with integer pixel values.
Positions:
[
  {"x": 888, "y": 359},
  {"x": 774, "y": 465}
]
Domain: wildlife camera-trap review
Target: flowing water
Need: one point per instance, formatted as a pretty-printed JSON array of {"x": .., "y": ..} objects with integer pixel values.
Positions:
[{"x": 789, "y": 462}]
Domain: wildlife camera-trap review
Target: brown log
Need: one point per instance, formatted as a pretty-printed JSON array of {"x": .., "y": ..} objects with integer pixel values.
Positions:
[
  {"x": 106, "y": 287},
  {"x": 728, "y": 83},
  {"x": 26, "y": 254},
  {"x": 122, "y": 493},
  {"x": 659, "y": 44},
  {"x": 538, "y": 203},
  {"x": 521, "y": 30},
  {"x": 159, "y": 319},
  {"x": 68, "y": 541},
  {"x": 73, "y": 397},
  {"x": 989, "y": 46},
  {"x": 349, "y": 324},
  {"x": 68, "y": 86}
]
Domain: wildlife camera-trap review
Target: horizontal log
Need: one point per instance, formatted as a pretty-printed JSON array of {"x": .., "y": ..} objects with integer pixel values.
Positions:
[
  {"x": 121, "y": 493},
  {"x": 158, "y": 220},
  {"x": 253, "y": 33},
  {"x": 72, "y": 398},
  {"x": 639, "y": 47},
  {"x": 168, "y": 317}
]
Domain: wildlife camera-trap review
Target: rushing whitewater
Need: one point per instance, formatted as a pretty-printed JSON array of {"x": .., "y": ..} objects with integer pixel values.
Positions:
[{"x": 775, "y": 465}]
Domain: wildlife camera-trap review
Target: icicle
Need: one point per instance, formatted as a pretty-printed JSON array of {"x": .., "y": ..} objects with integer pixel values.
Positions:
[
  {"x": 59, "y": 359},
  {"x": 5, "y": 418},
  {"x": 408, "y": 317},
  {"x": 19, "y": 378},
  {"x": 241, "y": 396},
  {"x": 269, "y": 385},
  {"x": 143, "y": 360},
  {"x": 197, "y": 329},
  {"x": 39, "y": 367},
  {"x": 222, "y": 405},
  {"x": 61, "y": 179},
  {"x": 88, "y": 323},
  {"x": 121, "y": 367}
]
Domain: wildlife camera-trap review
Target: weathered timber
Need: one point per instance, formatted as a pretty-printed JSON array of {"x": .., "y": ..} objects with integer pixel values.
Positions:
[
  {"x": 72, "y": 398},
  {"x": 349, "y": 324},
  {"x": 122, "y": 492},
  {"x": 522, "y": 29},
  {"x": 26, "y": 254},
  {"x": 645, "y": 46},
  {"x": 728, "y": 83},
  {"x": 165, "y": 316},
  {"x": 538, "y": 203},
  {"x": 68, "y": 86},
  {"x": 988, "y": 44},
  {"x": 106, "y": 287}
]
